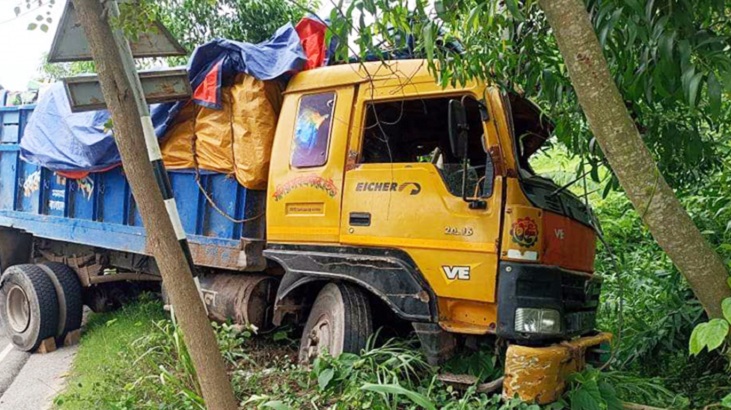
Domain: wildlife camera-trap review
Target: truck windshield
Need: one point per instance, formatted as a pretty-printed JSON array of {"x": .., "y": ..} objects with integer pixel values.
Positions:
[
  {"x": 417, "y": 130},
  {"x": 531, "y": 130}
]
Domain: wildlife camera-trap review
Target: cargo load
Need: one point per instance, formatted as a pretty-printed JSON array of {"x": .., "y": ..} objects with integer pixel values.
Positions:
[
  {"x": 235, "y": 140},
  {"x": 226, "y": 127}
]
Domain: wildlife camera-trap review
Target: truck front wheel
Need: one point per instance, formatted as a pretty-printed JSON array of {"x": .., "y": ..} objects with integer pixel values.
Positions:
[{"x": 340, "y": 322}]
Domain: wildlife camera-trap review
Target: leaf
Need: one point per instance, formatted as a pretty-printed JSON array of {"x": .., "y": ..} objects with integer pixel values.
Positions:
[
  {"x": 609, "y": 395},
  {"x": 684, "y": 49},
  {"x": 16, "y": 10},
  {"x": 726, "y": 401},
  {"x": 514, "y": 10},
  {"x": 428, "y": 41},
  {"x": 325, "y": 377},
  {"x": 32, "y": 26},
  {"x": 591, "y": 387},
  {"x": 44, "y": 28},
  {"x": 714, "y": 94},
  {"x": 716, "y": 333},
  {"x": 583, "y": 400},
  {"x": 607, "y": 190},
  {"x": 666, "y": 45},
  {"x": 726, "y": 308},
  {"x": 693, "y": 89},
  {"x": 418, "y": 399},
  {"x": 474, "y": 17},
  {"x": 710, "y": 335},
  {"x": 694, "y": 345},
  {"x": 728, "y": 282},
  {"x": 276, "y": 405}
]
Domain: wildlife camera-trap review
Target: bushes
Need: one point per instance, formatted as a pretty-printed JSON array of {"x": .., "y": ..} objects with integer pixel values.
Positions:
[
  {"x": 135, "y": 359},
  {"x": 148, "y": 367}
]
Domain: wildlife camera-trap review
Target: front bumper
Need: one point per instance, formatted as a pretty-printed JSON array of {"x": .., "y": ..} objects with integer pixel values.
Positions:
[
  {"x": 538, "y": 374},
  {"x": 574, "y": 295}
]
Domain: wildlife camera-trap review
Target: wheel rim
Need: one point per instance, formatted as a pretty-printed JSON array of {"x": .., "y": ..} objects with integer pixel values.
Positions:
[
  {"x": 18, "y": 309},
  {"x": 320, "y": 338}
]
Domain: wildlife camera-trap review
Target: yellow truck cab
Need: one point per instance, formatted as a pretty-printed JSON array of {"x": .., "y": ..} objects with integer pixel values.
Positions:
[{"x": 371, "y": 200}]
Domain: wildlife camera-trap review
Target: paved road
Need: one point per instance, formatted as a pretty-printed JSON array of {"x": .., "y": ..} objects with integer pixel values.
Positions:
[{"x": 31, "y": 381}]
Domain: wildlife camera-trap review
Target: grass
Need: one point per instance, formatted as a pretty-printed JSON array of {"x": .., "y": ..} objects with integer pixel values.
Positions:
[
  {"x": 135, "y": 359},
  {"x": 102, "y": 359}
]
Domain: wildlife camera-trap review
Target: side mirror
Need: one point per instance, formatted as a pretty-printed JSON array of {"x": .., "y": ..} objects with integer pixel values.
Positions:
[{"x": 458, "y": 129}]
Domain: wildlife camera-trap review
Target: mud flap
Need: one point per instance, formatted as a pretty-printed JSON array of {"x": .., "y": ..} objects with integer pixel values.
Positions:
[{"x": 538, "y": 374}]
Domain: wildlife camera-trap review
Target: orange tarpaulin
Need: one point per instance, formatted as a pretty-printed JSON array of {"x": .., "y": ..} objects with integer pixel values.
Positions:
[{"x": 235, "y": 140}]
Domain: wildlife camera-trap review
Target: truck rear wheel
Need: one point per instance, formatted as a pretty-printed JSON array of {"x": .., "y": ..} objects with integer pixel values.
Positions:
[
  {"x": 70, "y": 302},
  {"x": 28, "y": 306},
  {"x": 340, "y": 322}
]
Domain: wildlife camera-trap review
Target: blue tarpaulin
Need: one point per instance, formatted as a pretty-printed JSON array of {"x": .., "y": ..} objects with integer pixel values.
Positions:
[
  {"x": 62, "y": 141},
  {"x": 59, "y": 140},
  {"x": 216, "y": 63}
]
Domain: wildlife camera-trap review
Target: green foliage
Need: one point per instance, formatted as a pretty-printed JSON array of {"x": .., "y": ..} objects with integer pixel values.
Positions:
[
  {"x": 710, "y": 335},
  {"x": 714, "y": 333},
  {"x": 668, "y": 59},
  {"x": 194, "y": 22},
  {"x": 57, "y": 71},
  {"x": 135, "y": 359},
  {"x": 607, "y": 390},
  {"x": 591, "y": 393},
  {"x": 483, "y": 364},
  {"x": 396, "y": 390},
  {"x": 645, "y": 302},
  {"x": 726, "y": 402}
]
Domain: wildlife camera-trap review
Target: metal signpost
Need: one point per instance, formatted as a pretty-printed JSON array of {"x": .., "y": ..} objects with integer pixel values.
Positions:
[{"x": 128, "y": 94}]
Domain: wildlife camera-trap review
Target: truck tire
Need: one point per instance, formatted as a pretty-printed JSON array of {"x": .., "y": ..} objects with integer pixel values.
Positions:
[
  {"x": 28, "y": 306},
  {"x": 340, "y": 322},
  {"x": 70, "y": 302}
]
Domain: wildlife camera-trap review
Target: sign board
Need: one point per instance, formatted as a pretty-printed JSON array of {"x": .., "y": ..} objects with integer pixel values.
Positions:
[
  {"x": 85, "y": 92},
  {"x": 70, "y": 44}
]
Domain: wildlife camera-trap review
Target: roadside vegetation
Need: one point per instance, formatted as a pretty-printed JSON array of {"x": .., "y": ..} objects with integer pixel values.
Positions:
[{"x": 135, "y": 358}]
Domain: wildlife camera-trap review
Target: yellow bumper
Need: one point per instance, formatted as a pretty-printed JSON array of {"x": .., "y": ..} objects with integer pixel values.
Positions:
[{"x": 538, "y": 374}]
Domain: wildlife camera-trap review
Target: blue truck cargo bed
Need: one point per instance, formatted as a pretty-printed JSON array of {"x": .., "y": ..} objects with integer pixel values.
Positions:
[{"x": 99, "y": 210}]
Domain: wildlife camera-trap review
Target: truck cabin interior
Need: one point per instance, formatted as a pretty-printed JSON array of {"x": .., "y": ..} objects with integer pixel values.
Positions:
[{"x": 417, "y": 130}]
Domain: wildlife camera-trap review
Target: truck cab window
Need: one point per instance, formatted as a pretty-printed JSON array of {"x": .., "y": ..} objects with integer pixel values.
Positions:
[
  {"x": 531, "y": 131},
  {"x": 413, "y": 131},
  {"x": 312, "y": 130}
]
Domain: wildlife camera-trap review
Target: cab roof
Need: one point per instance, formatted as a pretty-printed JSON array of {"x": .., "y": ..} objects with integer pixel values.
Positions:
[{"x": 351, "y": 74}]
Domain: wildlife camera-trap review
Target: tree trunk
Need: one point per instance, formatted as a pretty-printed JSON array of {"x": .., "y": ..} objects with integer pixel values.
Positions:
[
  {"x": 630, "y": 159},
  {"x": 161, "y": 238}
]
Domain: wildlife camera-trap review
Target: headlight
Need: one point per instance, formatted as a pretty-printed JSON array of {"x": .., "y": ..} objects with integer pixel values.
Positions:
[{"x": 533, "y": 320}]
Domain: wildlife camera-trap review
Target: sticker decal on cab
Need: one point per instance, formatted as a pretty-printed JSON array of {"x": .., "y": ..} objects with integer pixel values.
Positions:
[{"x": 524, "y": 232}]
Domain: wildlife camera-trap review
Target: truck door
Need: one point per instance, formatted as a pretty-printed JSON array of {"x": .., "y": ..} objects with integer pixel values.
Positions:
[
  {"x": 306, "y": 175},
  {"x": 403, "y": 189}
]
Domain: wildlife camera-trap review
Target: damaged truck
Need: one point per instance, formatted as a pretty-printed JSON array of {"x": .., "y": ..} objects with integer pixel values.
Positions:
[{"x": 338, "y": 199}]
